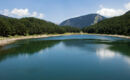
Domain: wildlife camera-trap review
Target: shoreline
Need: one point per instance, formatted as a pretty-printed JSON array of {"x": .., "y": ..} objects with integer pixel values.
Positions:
[
  {"x": 9, "y": 40},
  {"x": 112, "y": 35}
]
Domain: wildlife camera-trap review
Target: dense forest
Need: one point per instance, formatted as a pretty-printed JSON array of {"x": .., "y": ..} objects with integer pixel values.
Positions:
[
  {"x": 116, "y": 25},
  {"x": 29, "y": 26}
]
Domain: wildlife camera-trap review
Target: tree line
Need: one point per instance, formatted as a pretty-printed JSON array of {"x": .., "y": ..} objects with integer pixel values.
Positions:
[
  {"x": 29, "y": 26},
  {"x": 116, "y": 25}
]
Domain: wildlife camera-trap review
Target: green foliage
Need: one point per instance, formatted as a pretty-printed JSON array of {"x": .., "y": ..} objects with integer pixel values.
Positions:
[
  {"x": 116, "y": 25},
  {"x": 11, "y": 26},
  {"x": 5, "y": 28},
  {"x": 71, "y": 29}
]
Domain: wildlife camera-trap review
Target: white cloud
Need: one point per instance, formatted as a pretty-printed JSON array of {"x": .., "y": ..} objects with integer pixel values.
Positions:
[
  {"x": 41, "y": 15},
  {"x": 127, "y": 6},
  {"x": 18, "y": 13},
  {"x": 5, "y": 12},
  {"x": 34, "y": 14},
  {"x": 110, "y": 12}
]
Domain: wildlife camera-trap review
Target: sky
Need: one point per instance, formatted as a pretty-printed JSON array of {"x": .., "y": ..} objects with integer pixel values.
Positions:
[{"x": 59, "y": 10}]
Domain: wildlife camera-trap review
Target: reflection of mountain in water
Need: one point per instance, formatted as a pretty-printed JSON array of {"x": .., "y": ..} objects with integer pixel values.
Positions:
[{"x": 24, "y": 47}]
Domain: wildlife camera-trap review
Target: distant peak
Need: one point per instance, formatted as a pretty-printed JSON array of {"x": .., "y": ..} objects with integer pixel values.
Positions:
[
  {"x": 83, "y": 21},
  {"x": 128, "y": 12},
  {"x": 3, "y": 16}
]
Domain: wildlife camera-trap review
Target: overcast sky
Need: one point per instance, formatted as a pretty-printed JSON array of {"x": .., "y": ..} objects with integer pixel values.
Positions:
[{"x": 58, "y": 10}]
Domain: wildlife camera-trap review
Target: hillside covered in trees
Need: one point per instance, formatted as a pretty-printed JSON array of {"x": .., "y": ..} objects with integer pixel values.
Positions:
[
  {"x": 83, "y": 21},
  {"x": 116, "y": 25},
  {"x": 29, "y": 26}
]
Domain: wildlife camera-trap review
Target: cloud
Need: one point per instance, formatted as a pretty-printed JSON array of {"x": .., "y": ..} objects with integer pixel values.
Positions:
[
  {"x": 34, "y": 14},
  {"x": 127, "y": 6},
  {"x": 18, "y": 13},
  {"x": 110, "y": 12},
  {"x": 41, "y": 15},
  {"x": 5, "y": 12}
]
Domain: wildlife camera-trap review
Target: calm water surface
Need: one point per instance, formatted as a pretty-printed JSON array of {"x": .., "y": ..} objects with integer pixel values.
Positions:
[{"x": 76, "y": 57}]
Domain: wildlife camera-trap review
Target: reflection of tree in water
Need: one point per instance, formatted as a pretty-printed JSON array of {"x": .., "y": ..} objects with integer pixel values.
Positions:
[
  {"x": 92, "y": 45},
  {"x": 122, "y": 47},
  {"x": 24, "y": 47},
  {"x": 89, "y": 45}
]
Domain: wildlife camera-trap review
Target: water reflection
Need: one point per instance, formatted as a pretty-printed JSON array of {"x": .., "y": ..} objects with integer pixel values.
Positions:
[
  {"x": 70, "y": 59},
  {"x": 121, "y": 47},
  {"x": 26, "y": 47},
  {"x": 105, "y": 53},
  {"x": 127, "y": 60},
  {"x": 104, "y": 49}
]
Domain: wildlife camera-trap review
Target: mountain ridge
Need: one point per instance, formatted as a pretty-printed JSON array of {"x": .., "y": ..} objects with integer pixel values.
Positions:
[
  {"x": 3, "y": 16},
  {"x": 83, "y": 21}
]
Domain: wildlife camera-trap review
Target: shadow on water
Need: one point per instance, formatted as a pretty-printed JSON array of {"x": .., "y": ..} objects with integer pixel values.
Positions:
[{"x": 24, "y": 47}]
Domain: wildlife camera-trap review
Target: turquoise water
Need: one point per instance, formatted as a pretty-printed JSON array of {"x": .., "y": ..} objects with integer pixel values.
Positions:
[{"x": 75, "y": 57}]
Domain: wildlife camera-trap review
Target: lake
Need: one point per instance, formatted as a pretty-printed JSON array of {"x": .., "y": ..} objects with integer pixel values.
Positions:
[{"x": 73, "y": 57}]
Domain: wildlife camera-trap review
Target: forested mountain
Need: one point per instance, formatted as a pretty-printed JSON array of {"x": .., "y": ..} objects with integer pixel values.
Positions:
[
  {"x": 3, "y": 16},
  {"x": 128, "y": 12},
  {"x": 116, "y": 25},
  {"x": 83, "y": 21},
  {"x": 24, "y": 26}
]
